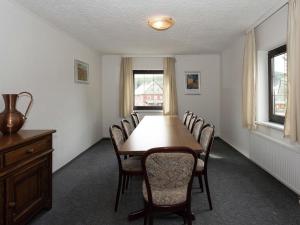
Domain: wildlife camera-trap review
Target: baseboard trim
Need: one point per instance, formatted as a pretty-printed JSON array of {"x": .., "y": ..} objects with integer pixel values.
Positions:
[
  {"x": 68, "y": 163},
  {"x": 105, "y": 139}
]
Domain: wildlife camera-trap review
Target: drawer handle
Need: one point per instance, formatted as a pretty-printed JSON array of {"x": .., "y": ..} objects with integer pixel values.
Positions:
[
  {"x": 31, "y": 150},
  {"x": 11, "y": 204}
]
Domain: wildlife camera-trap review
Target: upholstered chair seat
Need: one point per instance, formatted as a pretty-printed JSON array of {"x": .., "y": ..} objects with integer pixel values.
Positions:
[
  {"x": 132, "y": 165},
  {"x": 200, "y": 165},
  {"x": 162, "y": 196}
]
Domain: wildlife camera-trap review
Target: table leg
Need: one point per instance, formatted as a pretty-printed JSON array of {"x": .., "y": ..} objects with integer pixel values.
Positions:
[{"x": 141, "y": 213}]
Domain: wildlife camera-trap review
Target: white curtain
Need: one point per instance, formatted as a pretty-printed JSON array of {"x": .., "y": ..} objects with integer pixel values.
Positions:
[
  {"x": 170, "y": 95},
  {"x": 126, "y": 87},
  {"x": 292, "y": 118},
  {"x": 249, "y": 81}
]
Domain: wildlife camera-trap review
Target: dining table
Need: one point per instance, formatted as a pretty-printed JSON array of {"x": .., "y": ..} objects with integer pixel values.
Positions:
[{"x": 158, "y": 131}]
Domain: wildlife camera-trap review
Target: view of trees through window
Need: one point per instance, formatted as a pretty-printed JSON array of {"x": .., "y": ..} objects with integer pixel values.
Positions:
[
  {"x": 148, "y": 89},
  {"x": 278, "y": 82}
]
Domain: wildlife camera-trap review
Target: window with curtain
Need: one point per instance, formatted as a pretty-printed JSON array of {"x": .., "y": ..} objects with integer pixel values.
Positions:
[
  {"x": 278, "y": 88},
  {"x": 148, "y": 89}
]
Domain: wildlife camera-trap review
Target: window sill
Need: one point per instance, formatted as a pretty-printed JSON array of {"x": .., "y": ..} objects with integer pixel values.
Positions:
[
  {"x": 272, "y": 125},
  {"x": 148, "y": 111}
]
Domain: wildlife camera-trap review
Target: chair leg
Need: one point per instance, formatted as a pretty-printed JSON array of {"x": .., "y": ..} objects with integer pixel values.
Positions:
[
  {"x": 207, "y": 190},
  {"x": 146, "y": 219},
  {"x": 118, "y": 192},
  {"x": 124, "y": 183},
  {"x": 189, "y": 215},
  {"x": 127, "y": 182},
  {"x": 184, "y": 216},
  {"x": 150, "y": 218},
  {"x": 150, "y": 214},
  {"x": 200, "y": 182},
  {"x": 190, "y": 220},
  {"x": 146, "y": 214}
]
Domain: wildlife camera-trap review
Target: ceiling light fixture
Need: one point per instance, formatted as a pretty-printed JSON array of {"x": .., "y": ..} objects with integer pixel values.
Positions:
[{"x": 161, "y": 22}]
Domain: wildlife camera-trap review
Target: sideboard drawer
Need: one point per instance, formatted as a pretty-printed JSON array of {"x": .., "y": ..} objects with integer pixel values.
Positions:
[
  {"x": 1, "y": 161},
  {"x": 27, "y": 151}
]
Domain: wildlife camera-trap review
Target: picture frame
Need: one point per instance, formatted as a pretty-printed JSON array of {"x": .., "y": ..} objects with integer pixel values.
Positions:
[
  {"x": 192, "y": 83},
  {"x": 81, "y": 72}
]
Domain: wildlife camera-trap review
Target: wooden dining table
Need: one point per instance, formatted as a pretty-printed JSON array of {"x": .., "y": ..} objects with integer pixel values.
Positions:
[{"x": 157, "y": 131}]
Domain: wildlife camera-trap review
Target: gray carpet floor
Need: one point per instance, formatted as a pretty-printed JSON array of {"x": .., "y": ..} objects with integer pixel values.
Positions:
[{"x": 242, "y": 193}]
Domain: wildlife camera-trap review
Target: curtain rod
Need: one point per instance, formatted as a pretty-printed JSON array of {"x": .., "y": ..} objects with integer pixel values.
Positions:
[
  {"x": 148, "y": 56},
  {"x": 269, "y": 14}
]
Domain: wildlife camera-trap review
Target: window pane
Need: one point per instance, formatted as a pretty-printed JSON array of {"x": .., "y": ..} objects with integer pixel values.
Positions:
[
  {"x": 148, "y": 89},
  {"x": 279, "y": 71}
]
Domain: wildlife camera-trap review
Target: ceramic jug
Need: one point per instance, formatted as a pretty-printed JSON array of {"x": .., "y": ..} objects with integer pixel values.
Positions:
[{"x": 11, "y": 120}]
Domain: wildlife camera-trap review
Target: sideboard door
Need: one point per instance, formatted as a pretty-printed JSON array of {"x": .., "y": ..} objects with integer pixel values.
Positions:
[{"x": 26, "y": 191}]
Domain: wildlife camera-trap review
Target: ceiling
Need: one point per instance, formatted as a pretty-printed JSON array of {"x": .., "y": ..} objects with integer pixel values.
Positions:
[{"x": 120, "y": 26}]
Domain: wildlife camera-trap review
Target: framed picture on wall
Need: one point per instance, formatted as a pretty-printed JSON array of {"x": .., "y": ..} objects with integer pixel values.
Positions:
[
  {"x": 192, "y": 83},
  {"x": 81, "y": 71}
]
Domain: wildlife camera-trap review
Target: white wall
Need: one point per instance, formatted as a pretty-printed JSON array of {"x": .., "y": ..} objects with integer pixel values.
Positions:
[
  {"x": 272, "y": 33},
  {"x": 231, "y": 97},
  {"x": 207, "y": 104},
  {"x": 265, "y": 146},
  {"x": 39, "y": 58}
]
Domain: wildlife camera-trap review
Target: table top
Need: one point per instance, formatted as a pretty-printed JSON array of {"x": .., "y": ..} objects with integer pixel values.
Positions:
[{"x": 159, "y": 131}]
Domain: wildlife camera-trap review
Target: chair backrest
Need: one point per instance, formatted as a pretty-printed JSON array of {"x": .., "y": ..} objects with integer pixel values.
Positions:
[
  {"x": 192, "y": 121},
  {"x": 127, "y": 128},
  {"x": 139, "y": 116},
  {"x": 184, "y": 116},
  {"x": 198, "y": 125},
  {"x": 117, "y": 138},
  {"x": 206, "y": 140},
  {"x": 135, "y": 119},
  {"x": 167, "y": 168},
  {"x": 188, "y": 119}
]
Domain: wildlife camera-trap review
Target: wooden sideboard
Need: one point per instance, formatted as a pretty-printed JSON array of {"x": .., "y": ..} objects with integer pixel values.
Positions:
[{"x": 25, "y": 175}]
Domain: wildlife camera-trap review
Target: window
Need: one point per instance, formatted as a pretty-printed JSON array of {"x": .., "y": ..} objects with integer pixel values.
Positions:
[
  {"x": 148, "y": 89},
  {"x": 277, "y": 84}
]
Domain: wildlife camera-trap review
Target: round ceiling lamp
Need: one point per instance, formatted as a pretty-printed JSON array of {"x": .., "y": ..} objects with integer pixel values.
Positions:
[{"x": 161, "y": 22}]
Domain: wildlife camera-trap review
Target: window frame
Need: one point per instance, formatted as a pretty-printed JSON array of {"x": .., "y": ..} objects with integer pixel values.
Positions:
[
  {"x": 271, "y": 54},
  {"x": 145, "y": 72}
]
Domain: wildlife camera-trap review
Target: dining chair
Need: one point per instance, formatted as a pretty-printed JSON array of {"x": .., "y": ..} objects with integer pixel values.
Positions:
[
  {"x": 127, "y": 128},
  {"x": 188, "y": 119},
  {"x": 168, "y": 178},
  {"x": 206, "y": 141},
  {"x": 135, "y": 119},
  {"x": 198, "y": 125},
  {"x": 192, "y": 121},
  {"x": 184, "y": 116},
  {"x": 127, "y": 167},
  {"x": 139, "y": 116}
]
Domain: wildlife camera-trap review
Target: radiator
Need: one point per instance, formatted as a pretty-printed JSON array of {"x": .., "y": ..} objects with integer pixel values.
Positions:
[{"x": 279, "y": 159}]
